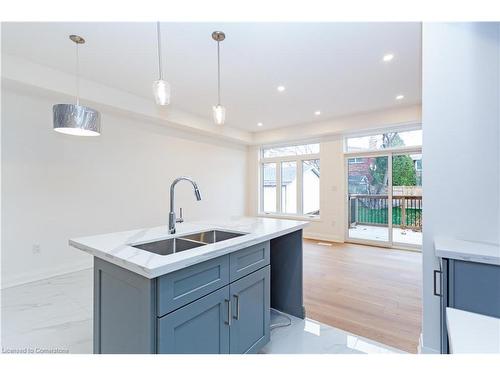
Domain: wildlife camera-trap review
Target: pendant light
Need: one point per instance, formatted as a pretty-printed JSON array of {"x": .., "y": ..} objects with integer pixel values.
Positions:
[
  {"x": 219, "y": 110},
  {"x": 76, "y": 119},
  {"x": 161, "y": 88}
]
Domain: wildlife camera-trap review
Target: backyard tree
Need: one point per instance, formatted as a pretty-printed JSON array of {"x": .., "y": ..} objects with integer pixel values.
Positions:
[
  {"x": 379, "y": 174},
  {"x": 379, "y": 171},
  {"x": 403, "y": 171},
  {"x": 392, "y": 140}
]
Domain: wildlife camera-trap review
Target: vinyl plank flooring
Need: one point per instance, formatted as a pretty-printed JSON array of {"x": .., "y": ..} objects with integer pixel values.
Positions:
[{"x": 369, "y": 291}]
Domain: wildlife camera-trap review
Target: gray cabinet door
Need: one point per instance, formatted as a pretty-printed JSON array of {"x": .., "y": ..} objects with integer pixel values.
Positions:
[
  {"x": 202, "y": 327},
  {"x": 474, "y": 287},
  {"x": 250, "y": 298}
]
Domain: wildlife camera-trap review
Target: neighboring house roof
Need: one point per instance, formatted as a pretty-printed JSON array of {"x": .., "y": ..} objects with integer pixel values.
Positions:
[{"x": 288, "y": 174}]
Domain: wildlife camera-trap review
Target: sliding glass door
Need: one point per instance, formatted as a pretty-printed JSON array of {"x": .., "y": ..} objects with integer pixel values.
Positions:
[
  {"x": 384, "y": 200},
  {"x": 384, "y": 179},
  {"x": 368, "y": 209}
]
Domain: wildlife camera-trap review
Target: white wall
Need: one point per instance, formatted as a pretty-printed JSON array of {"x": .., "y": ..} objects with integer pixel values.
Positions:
[
  {"x": 55, "y": 186},
  {"x": 330, "y": 226},
  {"x": 461, "y": 84}
]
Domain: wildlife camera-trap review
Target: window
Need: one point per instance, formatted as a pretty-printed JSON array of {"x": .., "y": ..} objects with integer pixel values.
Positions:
[
  {"x": 269, "y": 187},
  {"x": 295, "y": 169},
  {"x": 289, "y": 187},
  {"x": 310, "y": 187},
  {"x": 384, "y": 141}
]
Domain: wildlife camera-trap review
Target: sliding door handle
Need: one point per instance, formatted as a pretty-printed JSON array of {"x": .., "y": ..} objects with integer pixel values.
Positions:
[{"x": 435, "y": 283}]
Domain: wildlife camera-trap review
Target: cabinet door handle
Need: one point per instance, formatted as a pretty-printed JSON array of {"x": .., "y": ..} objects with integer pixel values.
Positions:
[
  {"x": 228, "y": 301},
  {"x": 435, "y": 292},
  {"x": 237, "y": 298}
]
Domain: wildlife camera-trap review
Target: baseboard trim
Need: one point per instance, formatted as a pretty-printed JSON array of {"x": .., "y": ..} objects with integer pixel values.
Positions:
[
  {"x": 322, "y": 237},
  {"x": 425, "y": 349},
  {"x": 31, "y": 277}
]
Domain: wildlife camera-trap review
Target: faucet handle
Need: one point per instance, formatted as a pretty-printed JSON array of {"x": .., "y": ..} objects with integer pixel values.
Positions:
[{"x": 180, "y": 219}]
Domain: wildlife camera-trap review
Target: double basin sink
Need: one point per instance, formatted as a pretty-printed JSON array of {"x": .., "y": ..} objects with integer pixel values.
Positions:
[{"x": 190, "y": 241}]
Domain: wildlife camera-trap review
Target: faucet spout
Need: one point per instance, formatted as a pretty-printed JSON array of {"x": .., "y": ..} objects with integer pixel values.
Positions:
[
  {"x": 171, "y": 217},
  {"x": 197, "y": 194}
]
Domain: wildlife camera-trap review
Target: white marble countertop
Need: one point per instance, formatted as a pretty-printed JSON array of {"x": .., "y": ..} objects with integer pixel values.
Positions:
[
  {"x": 472, "y": 333},
  {"x": 115, "y": 247},
  {"x": 471, "y": 251}
]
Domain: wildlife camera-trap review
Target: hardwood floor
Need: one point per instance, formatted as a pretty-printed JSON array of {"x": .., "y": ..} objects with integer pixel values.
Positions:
[{"x": 369, "y": 291}]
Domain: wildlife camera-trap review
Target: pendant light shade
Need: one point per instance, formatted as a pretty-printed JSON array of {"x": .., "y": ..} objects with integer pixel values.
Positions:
[
  {"x": 161, "y": 88},
  {"x": 161, "y": 92},
  {"x": 219, "y": 111},
  {"x": 76, "y": 119}
]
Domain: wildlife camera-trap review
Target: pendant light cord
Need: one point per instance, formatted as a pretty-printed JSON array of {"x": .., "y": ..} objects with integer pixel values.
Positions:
[
  {"x": 77, "y": 76},
  {"x": 160, "y": 72},
  {"x": 218, "y": 72}
]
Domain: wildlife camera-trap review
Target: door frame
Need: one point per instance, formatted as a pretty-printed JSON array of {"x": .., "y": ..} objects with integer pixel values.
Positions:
[{"x": 389, "y": 153}]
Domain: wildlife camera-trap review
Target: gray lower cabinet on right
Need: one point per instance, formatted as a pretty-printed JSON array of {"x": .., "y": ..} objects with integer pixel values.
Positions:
[
  {"x": 468, "y": 286},
  {"x": 233, "y": 319}
]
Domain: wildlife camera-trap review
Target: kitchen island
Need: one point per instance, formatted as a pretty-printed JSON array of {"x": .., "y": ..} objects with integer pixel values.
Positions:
[{"x": 208, "y": 288}]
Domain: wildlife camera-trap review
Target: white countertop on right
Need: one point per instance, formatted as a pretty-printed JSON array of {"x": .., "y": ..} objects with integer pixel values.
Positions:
[
  {"x": 472, "y": 251},
  {"x": 472, "y": 333}
]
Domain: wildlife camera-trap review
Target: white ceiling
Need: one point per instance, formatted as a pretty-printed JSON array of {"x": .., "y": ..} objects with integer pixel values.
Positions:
[{"x": 333, "y": 67}]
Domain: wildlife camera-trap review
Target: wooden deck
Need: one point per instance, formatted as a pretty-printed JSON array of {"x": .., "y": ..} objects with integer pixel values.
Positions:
[{"x": 369, "y": 291}]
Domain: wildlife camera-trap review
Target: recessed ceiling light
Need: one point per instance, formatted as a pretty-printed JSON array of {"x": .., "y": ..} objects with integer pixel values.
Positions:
[
  {"x": 388, "y": 57},
  {"x": 260, "y": 124},
  {"x": 317, "y": 113},
  {"x": 280, "y": 88},
  {"x": 400, "y": 97}
]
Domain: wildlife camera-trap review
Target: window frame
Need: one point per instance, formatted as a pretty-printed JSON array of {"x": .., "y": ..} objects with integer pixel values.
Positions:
[
  {"x": 296, "y": 187},
  {"x": 278, "y": 160},
  {"x": 380, "y": 132}
]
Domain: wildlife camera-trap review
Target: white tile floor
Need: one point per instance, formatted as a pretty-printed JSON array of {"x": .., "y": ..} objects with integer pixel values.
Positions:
[
  {"x": 51, "y": 314},
  {"x": 373, "y": 233},
  {"x": 56, "y": 315},
  {"x": 310, "y": 337}
]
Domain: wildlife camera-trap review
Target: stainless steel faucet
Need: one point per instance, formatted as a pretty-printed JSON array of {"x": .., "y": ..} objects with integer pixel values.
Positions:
[{"x": 171, "y": 217}]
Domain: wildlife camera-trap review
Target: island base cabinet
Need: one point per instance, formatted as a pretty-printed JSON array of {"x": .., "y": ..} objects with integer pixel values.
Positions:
[
  {"x": 250, "y": 325},
  {"x": 231, "y": 320},
  {"x": 201, "y": 309},
  {"x": 202, "y": 327}
]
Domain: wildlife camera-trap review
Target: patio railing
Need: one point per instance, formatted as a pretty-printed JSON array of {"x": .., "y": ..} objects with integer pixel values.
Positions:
[{"x": 373, "y": 210}]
